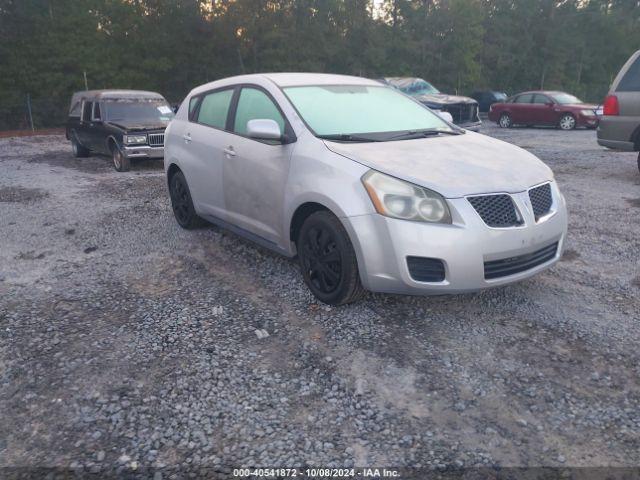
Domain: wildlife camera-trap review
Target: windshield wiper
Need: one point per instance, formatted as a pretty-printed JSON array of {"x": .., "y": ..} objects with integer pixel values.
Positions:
[
  {"x": 347, "y": 137},
  {"x": 424, "y": 133}
]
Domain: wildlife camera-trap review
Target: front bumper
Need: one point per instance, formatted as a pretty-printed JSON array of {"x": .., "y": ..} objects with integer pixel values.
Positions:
[
  {"x": 142, "y": 151},
  {"x": 473, "y": 126},
  {"x": 383, "y": 244},
  {"x": 589, "y": 121}
]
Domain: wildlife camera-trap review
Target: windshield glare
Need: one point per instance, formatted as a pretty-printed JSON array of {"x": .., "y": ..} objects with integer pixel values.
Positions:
[
  {"x": 141, "y": 110},
  {"x": 360, "y": 110},
  {"x": 565, "y": 98}
]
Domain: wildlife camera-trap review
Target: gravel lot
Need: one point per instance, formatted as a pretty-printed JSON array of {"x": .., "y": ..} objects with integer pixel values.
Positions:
[{"x": 127, "y": 343}]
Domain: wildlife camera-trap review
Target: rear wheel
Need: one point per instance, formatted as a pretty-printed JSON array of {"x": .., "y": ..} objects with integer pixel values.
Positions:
[
  {"x": 328, "y": 261},
  {"x": 182, "y": 204},
  {"x": 567, "y": 122},
  {"x": 78, "y": 150},
  {"x": 120, "y": 162},
  {"x": 505, "y": 120}
]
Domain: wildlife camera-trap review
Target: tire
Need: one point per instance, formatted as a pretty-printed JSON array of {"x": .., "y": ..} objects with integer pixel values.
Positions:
[
  {"x": 120, "y": 162},
  {"x": 505, "y": 121},
  {"x": 182, "y": 204},
  {"x": 567, "y": 122},
  {"x": 78, "y": 150},
  {"x": 327, "y": 260}
]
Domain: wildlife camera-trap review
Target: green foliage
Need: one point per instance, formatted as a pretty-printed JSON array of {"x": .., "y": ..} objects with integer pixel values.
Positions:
[{"x": 171, "y": 46}]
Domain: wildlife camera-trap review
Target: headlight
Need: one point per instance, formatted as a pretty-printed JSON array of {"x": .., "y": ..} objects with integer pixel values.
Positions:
[
  {"x": 399, "y": 199},
  {"x": 588, "y": 113},
  {"x": 130, "y": 139}
]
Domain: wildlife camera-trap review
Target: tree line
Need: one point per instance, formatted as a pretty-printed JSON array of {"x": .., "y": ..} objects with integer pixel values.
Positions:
[{"x": 49, "y": 47}]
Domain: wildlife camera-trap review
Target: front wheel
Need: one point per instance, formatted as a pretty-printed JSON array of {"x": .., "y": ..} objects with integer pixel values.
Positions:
[
  {"x": 120, "y": 162},
  {"x": 567, "y": 122},
  {"x": 328, "y": 261},
  {"x": 505, "y": 120}
]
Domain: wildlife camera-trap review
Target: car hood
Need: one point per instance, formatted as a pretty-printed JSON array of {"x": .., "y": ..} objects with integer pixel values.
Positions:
[
  {"x": 453, "y": 166},
  {"x": 137, "y": 125},
  {"x": 443, "y": 99}
]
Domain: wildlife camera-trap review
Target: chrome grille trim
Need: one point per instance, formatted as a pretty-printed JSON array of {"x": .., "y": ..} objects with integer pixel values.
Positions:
[{"x": 156, "y": 139}]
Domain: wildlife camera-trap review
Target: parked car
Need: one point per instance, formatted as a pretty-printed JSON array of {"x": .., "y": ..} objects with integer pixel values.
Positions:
[
  {"x": 544, "y": 107},
  {"x": 124, "y": 124},
  {"x": 463, "y": 110},
  {"x": 620, "y": 123},
  {"x": 370, "y": 189},
  {"x": 487, "y": 98}
]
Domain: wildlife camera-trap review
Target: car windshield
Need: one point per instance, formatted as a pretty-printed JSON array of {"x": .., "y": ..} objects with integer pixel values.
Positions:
[
  {"x": 565, "y": 98},
  {"x": 138, "y": 110},
  {"x": 370, "y": 112},
  {"x": 416, "y": 87}
]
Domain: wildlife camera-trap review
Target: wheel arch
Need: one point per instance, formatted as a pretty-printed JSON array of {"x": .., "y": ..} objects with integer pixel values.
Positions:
[{"x": 171, "y": 171}]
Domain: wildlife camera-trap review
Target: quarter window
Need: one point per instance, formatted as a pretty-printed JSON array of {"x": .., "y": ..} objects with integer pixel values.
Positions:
[
  {"x": 631, "y": 80},
  {"x": 86, "y": 112},
  {"x": 215, "y": 108},
  {"x": 75, "y": 111},
  {"x": 255, "y": 104}
]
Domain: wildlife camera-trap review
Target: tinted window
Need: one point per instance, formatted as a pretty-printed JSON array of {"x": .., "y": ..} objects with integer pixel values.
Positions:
[
  {"x": 254, "y": 104},
  {"x": 631, "y": 80},
  {"x": 214, "y": 108},
  {"x": 96, "y": 111},
  {"x": 86, "y": 113},
  {"x": 193, "y": 103},
  {"x": 541, "y": 99},
  {"x": 526, "y": 98}
]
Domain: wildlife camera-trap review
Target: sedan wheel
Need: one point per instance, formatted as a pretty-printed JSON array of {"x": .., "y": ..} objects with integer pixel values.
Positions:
[
  {"x": 327, "y": 260},
  {"x": 567, "y": 122},
  {"x": 505, "y": 121}
]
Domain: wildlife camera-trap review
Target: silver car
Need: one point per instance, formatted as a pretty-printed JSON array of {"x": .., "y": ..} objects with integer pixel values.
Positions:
[{"x": 367, "y": 187}]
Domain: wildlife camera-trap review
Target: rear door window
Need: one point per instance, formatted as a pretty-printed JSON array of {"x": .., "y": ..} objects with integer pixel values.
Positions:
[
  {"x": 96, "y": 112},
  {"x": 255, "y": 104},
  {"x": 214, "y": 108},
  {"x": 541, "y": 99},
  {"x": 630, "y": 82},
  {"x": 524, "y": 98}
]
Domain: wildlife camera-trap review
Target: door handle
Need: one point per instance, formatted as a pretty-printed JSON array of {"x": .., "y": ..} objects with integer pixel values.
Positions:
[
  {"x": 230, "y": 151},
  {"x": 187, "y": 138}
]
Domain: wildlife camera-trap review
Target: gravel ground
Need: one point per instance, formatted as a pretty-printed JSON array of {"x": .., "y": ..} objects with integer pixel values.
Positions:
[{"x": 127, "y": 343}]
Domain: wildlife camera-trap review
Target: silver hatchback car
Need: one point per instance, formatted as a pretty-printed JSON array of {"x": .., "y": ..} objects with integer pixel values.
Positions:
[{"x": 369, "y": 188}]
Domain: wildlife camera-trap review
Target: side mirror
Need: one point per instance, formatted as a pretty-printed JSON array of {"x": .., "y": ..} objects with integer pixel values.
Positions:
[
  {"x": 263, "y": 129},
  {"x": 446, "y": 116}
]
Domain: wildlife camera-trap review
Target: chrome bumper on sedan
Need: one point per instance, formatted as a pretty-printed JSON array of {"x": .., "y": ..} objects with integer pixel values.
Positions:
[
  {"x": 143, "y": 151},
  {"x": 468, "y": 255}
]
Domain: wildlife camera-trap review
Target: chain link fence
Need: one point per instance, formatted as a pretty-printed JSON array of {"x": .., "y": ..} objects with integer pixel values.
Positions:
[{"x": 26, "y": 113}]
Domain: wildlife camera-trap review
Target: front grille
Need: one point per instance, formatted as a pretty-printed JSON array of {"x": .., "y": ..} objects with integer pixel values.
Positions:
[
  {"x": 521, "y": 263},
  {"x": 541, "y": 200},
  {"x": 424, "y": 269},
  {"x": 462, "y": 112},
  {"x": 496, "y": 210},
  {"x": 156, "y": 139}
]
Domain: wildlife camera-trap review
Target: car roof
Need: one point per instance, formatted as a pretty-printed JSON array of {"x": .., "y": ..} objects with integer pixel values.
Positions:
[
  {"x": 115, "y": 95},
  {"x": 543, "y": 92},
  {"x": 284, "y": 79}
]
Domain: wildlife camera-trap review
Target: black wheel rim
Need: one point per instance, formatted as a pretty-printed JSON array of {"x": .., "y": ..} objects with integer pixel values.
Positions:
[
  {"x": 322, "y": 260},
  {"x": 180, "y": 201}
]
